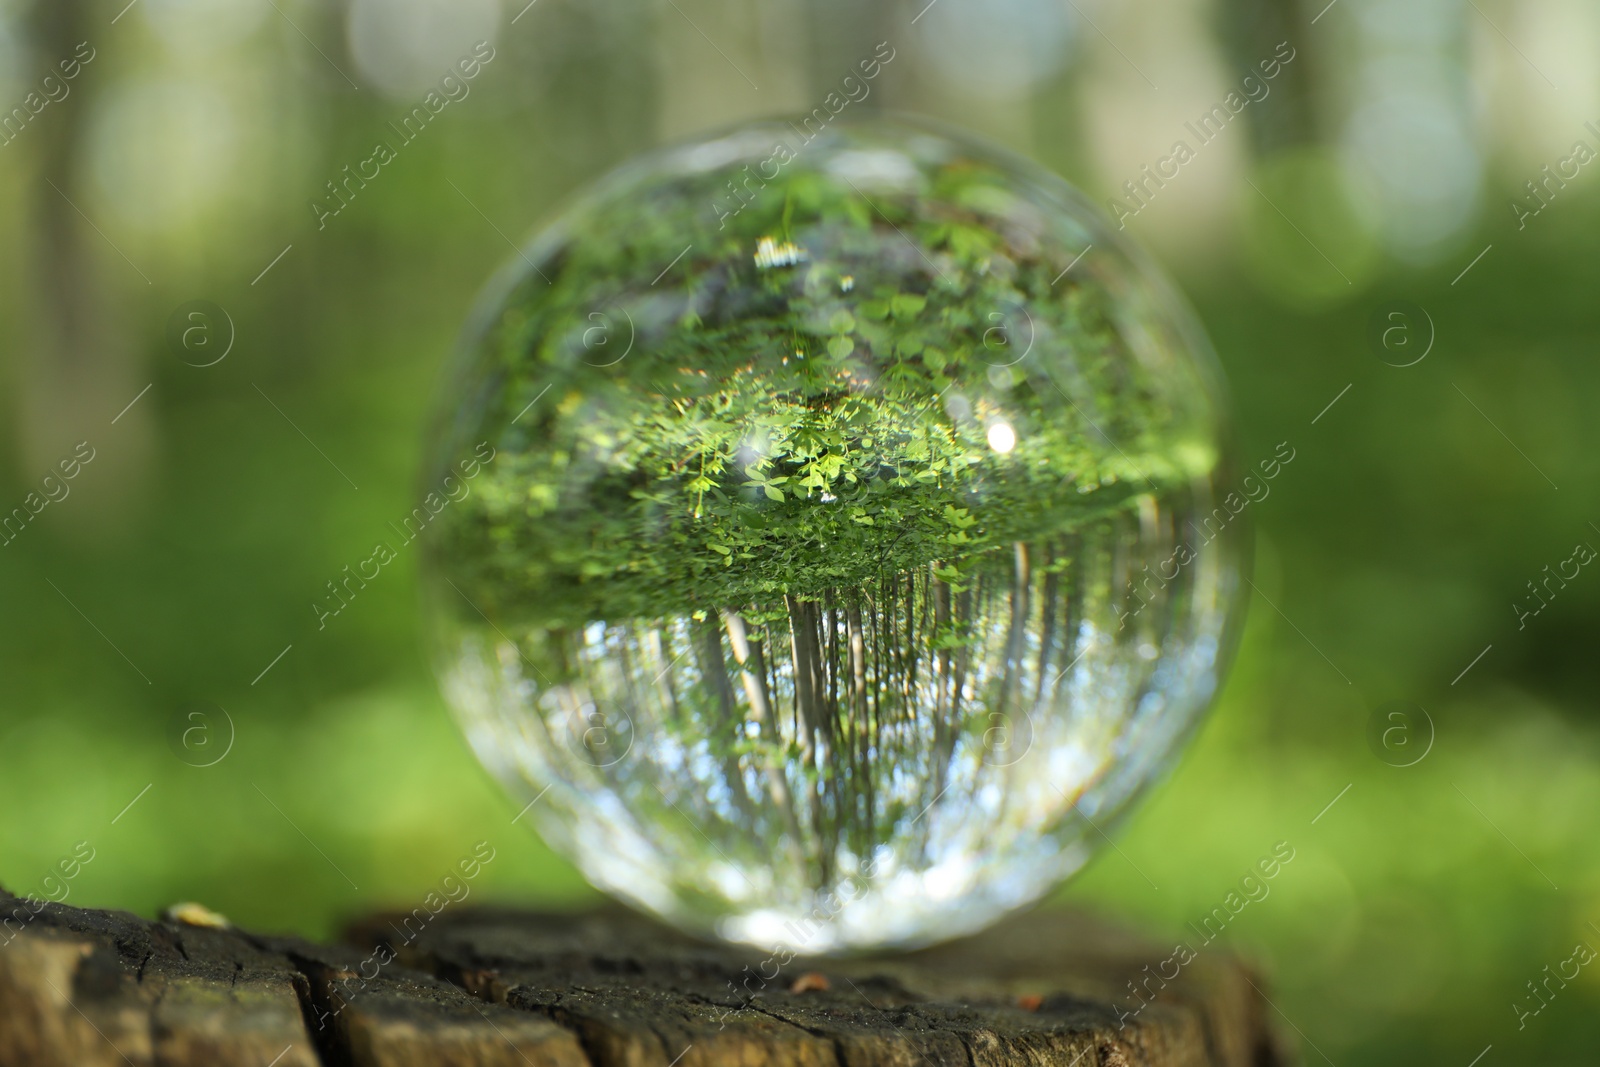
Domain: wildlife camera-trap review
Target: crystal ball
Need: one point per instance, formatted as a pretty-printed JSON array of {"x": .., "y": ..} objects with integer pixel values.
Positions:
[{"x": 836, "y": 534}]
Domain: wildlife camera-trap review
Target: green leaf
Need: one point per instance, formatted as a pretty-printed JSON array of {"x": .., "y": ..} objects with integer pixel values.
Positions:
[
  {"x": 842, "y": 322},
  {"x": 773, "y": 493},
  {"x": 907, "y": 305},
  {"x": 840, "y": 347}
]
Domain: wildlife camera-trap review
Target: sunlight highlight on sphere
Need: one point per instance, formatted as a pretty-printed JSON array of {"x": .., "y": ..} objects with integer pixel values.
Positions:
[
  {"x": 808, "y": 622},
  {"x": 1002, "y": 438}
]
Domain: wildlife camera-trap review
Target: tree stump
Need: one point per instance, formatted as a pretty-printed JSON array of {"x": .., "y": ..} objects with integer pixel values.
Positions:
[{"x": 476, "y": 987}]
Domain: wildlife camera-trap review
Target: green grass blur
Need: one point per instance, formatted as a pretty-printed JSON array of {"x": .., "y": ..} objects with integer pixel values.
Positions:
[{"x": 1416, "y": 908}]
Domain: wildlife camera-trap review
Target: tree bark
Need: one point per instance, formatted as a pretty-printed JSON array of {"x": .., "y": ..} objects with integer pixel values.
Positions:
[{"x": 474, "y": 987}]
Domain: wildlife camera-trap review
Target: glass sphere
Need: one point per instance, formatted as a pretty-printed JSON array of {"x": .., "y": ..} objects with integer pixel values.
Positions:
[{"x": 832, "y": 538}]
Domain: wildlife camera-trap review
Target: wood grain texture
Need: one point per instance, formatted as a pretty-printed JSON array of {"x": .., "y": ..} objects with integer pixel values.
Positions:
[{"x": 480, "y": 987}]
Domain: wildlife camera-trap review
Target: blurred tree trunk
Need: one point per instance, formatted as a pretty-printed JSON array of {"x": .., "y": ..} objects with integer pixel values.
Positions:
[
  {"x": 1249, "y": 31},
  {"x": 78, "y": 374},
  {"x": 841, "y": 33},
  {"x": 721, "y": 62}
]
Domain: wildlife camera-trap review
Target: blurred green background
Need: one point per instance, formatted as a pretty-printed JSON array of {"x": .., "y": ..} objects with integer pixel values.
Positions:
[{"x": 1387, "y": 156}]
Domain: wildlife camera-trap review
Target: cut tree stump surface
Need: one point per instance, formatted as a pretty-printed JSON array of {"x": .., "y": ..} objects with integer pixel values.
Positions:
[{"x": 475, "y": 987}]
